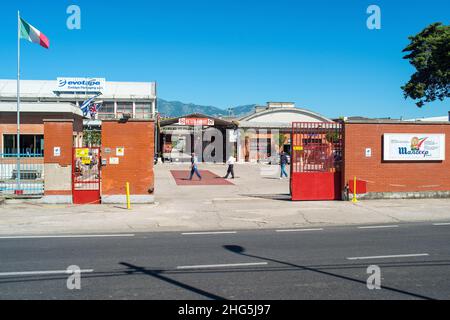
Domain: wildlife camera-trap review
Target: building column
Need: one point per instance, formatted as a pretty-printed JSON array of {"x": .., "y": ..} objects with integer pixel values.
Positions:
[
  {"x": 58, "y": 141},
  {"x": 133, "y": 165},
  {"x": 154, "y": 109},
  {"x": 239, "y": 156}
]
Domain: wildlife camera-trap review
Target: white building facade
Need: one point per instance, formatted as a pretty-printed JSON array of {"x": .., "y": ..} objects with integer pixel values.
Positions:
[{"x": 136, "y": 99}]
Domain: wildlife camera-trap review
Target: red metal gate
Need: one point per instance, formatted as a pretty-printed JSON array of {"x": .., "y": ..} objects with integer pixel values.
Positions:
[
  {"x": 86, "y": 176},
  {"x": 317, "y": 149}
]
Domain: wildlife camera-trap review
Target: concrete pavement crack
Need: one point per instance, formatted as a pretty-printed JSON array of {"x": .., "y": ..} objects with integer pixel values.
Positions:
[
  {"x": 304, "y": 217},
  {"x": 382, "y": 213},
  {"x": 217, "y": 214}
]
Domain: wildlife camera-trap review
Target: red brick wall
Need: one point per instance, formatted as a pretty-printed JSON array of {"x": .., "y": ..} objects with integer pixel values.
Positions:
[
  {"x": 136, "y": 166},
  {"x": 58, "y": 134},
  {"x": 393, "y": 176}
]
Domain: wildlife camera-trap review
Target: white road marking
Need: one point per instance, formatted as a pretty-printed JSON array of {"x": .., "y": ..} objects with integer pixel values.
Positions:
[
  {"x": 222, "y": 265},
  {"x": 70, "y": 236},
  {"x": 208, "y": 233},
  {"x": 41, "y": 273},
  {"x": 391, "y": 256},
  {"x": 299, "y": 230},
  {"x": 442, "y": 224},
  {"x": 378, "y": 227}
]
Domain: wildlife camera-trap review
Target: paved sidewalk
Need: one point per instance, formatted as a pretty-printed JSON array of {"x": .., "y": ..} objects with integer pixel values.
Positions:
[{"x": 256, "y": 199}]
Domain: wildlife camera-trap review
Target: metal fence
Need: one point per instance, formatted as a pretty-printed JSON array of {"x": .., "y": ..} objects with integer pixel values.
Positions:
[
  {"x": 23, "y": 176},
  {"x": 86, "y": 169},
  {"x": 317, "y": 146}
]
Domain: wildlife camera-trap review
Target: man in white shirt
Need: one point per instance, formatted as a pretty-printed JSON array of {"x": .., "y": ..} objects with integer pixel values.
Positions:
[{"x": 231, "y": 161}]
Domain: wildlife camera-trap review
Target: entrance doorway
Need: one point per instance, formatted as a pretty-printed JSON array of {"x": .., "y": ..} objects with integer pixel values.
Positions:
[
  {"x": 86, "y": 176},
  {"x": 317, "y": 150}
]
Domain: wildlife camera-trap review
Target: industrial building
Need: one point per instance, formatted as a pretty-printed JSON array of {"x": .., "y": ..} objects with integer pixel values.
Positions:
[{"x": 137, "y": 99}]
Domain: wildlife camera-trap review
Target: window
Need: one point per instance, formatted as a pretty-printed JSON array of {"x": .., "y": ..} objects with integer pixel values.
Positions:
[
  {"x": 143, "y": 111},
  {"x": 30, "y": 145},
  {"x": 106, "y": 111},
  {"x": 124, "y": 108}
]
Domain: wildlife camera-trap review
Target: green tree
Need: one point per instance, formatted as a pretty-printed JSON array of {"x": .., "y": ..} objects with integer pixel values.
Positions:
[
  {"x": 92, "y": 138},
  {"x": 429, "y": 53}
]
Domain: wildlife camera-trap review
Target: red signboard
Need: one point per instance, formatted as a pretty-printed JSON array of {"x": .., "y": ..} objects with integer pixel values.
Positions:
[{"x": 195, "y": 122}]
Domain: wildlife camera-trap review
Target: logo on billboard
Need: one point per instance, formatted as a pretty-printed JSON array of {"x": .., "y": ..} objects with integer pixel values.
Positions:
[
  {"x": 81, "y": 84},
  {"x": 416, "y": 143},
  {"x": 417, "y": 147}
]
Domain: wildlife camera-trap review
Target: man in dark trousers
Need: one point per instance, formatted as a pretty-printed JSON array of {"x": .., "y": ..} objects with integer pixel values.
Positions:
[
  {"x": 194, "y": 167},
  {"x": 283, "y": 162},
  {"x": 231, "y": 161}
]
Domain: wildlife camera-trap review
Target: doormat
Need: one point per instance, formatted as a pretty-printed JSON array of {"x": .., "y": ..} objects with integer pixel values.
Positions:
[{"x": 208, "y": 179}]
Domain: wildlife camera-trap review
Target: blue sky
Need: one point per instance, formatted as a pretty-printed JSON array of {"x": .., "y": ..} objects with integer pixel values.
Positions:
[{"x": 225, "y": 53}]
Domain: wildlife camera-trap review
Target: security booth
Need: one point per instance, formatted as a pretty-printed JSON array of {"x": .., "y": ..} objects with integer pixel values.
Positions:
[
  {"x": 182, "y": 136},
  {"x": 316, "y": 160}
]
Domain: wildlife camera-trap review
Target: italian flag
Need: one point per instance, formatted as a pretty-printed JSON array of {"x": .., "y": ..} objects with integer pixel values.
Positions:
[{"x": 30, "y": 33}]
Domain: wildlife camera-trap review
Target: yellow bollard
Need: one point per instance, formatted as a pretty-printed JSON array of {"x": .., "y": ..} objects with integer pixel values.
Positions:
[
  {"x": 128, "y": 196},
  {"x": 354, "y": 200}
]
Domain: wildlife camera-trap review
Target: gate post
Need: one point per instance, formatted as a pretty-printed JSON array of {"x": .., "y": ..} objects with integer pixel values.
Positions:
[
  {"x": 58, "y": 140},
  {"x": 128, "y": 155}
]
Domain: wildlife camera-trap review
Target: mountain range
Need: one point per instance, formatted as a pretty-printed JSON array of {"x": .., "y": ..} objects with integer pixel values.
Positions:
[{"x": 176, "y": 109}]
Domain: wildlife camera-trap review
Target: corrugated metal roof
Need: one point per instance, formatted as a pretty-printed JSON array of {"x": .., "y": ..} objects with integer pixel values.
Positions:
[
  {"x": 217, "y": 121},
  {"x": 274, "y": 110},
  {"x": 264, "y": 125}
]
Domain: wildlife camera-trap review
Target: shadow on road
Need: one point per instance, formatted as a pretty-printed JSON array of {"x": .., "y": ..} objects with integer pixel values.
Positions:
[
  {"x": 158, "y": 275},
  {"x": 241, "y": 251},
  {"x": 163, "y": 275},
  {"x": 281, "y": 197}
]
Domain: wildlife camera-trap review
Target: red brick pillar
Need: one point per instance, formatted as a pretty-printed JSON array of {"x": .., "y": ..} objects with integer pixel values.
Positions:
[
  {"x": 128, "y": 149},
  {"x": 58, "y": 142}
]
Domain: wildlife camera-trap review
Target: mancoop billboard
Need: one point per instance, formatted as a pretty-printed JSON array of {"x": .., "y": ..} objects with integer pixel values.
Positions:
[{"x": 414, "y": 147}]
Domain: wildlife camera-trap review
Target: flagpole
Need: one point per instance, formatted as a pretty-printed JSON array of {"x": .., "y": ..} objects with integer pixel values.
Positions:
[{"x": 18, "y": 103}]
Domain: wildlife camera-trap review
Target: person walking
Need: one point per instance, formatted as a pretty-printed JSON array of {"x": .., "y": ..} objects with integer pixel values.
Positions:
[
  {"x": 283, "y": 162},
  {"x": 194, "y": 167},
  {"x": 230, "y": 162}
]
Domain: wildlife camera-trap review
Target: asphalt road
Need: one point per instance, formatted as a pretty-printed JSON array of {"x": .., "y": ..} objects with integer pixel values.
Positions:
[{"x": 329, "y": 263}]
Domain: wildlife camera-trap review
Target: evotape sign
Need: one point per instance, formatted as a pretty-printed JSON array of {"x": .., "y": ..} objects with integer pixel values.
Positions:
[
  {"x": 80, "y": 84},
  {"x": 414, "y": 147}
]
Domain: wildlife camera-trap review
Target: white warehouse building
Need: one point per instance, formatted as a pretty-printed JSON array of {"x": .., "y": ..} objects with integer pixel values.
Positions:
[{"x": 137, "y": 99}]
